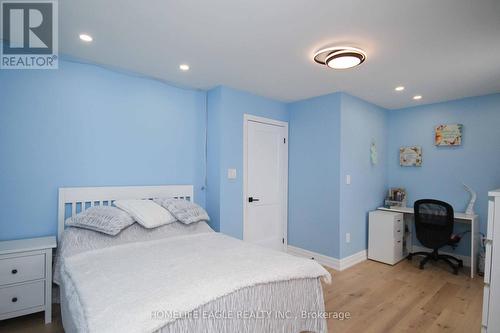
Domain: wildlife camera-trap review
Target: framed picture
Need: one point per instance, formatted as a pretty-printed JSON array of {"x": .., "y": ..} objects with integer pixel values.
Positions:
[
  {"x": 410, "y": 156},
  {"x": 448, "y": 135}
]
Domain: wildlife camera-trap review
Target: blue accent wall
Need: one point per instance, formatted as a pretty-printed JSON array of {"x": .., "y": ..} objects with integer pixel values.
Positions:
[
  {"x": 83, "y": 125},
  {"x": 214, "y": 105},
  {"x": 361, "y": 124},
  {"x": 225, "y": 141},
  {"x": 476, "y": 162},
  {"x": 313, "y": 180},
  {"x": 330, "y": 137}
]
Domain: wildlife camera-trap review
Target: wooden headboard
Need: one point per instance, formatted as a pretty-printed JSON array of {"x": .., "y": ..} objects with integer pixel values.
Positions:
[{"x": 73, "y": 200}]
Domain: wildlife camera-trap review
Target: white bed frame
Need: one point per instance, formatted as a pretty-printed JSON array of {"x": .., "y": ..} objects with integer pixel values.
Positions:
[{"x": 85, "y": 197}]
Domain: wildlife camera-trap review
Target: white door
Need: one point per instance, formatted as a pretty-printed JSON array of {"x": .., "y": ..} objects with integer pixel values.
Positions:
[{"x": 266, "y": 173}]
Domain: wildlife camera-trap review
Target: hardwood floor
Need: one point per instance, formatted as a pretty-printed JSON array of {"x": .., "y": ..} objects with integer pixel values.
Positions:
[
  {"x": 403, "y": 298},
  {"x": 33, "y": 323},
  {"x": 379, "y": 298}
]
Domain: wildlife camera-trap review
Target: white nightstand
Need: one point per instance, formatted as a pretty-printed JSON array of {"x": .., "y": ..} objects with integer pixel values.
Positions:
[{"x": 26, "y": 277}]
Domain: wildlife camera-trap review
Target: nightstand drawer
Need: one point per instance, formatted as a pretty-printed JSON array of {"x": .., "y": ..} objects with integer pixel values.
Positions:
[
  {"x": 20, "y": 269},
  {"x": 23, "y": 296}
]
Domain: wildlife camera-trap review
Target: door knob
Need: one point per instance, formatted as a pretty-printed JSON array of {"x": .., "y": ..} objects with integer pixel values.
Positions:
[{"x": 252, "y": 199}]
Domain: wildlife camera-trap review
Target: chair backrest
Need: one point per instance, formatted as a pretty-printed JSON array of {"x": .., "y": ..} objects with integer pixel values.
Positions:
[{"x": 433, "y": 222}]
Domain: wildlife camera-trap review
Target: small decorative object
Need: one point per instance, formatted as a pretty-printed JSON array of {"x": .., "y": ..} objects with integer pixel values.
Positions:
[
  {"x": 410, "y": 156},
  {"x": 448, "y": 135},
  {"x": 473, "y": 197},
  {"x": 396, "y": 198},
  {"x": 373, "y": 153}
]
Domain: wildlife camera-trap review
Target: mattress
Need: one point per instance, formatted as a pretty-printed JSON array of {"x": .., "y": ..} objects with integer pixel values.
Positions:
[
  {"x": 282, "y": 306},
  {"x": 292, "y": 312}
]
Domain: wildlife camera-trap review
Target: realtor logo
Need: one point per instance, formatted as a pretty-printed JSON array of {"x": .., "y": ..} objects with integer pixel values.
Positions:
[{"x": 29, "y": 33}]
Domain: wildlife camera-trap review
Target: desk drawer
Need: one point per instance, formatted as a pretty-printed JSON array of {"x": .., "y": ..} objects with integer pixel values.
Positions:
[
  {"x": 486, "y": 305},
  {"x": 487, "y": 262},
  {"x": 20, "y": 269},
  {"x": 22, "y": 297},
  {"x": 491, "y": 218}
]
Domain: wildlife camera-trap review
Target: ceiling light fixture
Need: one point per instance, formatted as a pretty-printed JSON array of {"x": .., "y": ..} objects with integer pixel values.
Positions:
[
  {"x": 400, "y": 88},
  {"x": 184, "y": 67},
  {"x": 86, "y": 38},
  {"x": 340, "y": 57},
  {"x": 417, "y": 97}
]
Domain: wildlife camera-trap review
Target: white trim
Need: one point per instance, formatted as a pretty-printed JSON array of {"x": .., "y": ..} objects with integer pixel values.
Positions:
[
  {"x": 336, "y": 264},
  {"x": 246, "y": 119},
  {"x": 100, "y": 195},
  {"x": 322, "y": 259},
  {"x": 465, "y": 259},
  {"x": 354, "y": 259},
  {"x": 263, "y": 120}
]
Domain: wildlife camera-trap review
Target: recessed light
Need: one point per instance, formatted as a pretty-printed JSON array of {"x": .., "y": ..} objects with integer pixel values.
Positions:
[
  {"x": 184, "y": 67},
  {"x": 417, "y": 97},
  {"x": 86, "y": 38},
  {"x": 341, "y": 57},
  {"x": 399, "y": 88}
]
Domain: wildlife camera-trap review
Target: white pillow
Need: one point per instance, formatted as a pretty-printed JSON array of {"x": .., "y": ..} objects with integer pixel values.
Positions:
[{"x": 146, "y": 212}]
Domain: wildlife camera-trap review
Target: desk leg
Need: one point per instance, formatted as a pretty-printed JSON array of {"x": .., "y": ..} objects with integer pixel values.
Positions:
[
  {"x": 474, "y": 246},
  {"x": 474, "y": 242}
]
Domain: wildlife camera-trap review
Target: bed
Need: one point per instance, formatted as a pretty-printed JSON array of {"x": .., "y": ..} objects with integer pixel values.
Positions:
[{"x": 177, "y": 278}]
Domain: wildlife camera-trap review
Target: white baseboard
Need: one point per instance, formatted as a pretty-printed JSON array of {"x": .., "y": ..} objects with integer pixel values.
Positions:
[
  {"x": 465, "y": 259},
  {"x": 336, "y": 264},
  {"x": 354, "y": 259}
]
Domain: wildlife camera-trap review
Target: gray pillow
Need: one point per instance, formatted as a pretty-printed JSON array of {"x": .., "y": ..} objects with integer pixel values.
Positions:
[
  {"x": 106, "y": 219},
  {"x": 185, "y": 211}
]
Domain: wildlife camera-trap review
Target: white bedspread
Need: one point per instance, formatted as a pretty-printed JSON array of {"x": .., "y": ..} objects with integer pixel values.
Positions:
[{"x": 120, "y": 287}]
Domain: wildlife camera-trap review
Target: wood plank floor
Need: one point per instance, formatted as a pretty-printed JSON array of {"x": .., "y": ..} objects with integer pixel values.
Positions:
[
  {"x": 403, "y": 298},
  {"x": 380, "y": 298}
]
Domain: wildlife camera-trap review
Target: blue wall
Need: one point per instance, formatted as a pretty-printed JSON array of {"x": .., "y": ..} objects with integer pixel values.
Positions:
[
  {"x": 476, "y": 162},
  {"x": 313, "y": 186},
  {"x": 330, "y": 137},
  {"x": 361, "y": 124},
  {"x": 214, "y": 119},
  {"x": 83, "y": 125},
  {"x": 225, "y": 141}
]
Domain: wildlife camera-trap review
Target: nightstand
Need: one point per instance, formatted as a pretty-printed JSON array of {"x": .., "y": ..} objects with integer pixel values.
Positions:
[{"x": 26, "y": 277}]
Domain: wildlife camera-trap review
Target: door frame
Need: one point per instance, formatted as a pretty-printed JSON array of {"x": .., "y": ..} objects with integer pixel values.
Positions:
[{"x": 246, "y": 119}]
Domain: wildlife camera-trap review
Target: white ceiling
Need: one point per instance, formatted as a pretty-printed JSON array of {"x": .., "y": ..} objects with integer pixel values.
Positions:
[{"x": 441, "y": 49}]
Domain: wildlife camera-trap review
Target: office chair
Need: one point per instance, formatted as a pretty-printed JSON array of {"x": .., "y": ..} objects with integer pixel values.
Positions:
[{"x": 434, "y": 226}]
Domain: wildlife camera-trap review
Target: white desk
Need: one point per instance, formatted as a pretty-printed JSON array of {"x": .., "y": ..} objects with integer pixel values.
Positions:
[{"x": 472, "y": 220}]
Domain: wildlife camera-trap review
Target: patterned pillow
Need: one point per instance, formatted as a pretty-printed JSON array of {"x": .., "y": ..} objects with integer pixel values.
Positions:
[
  {"x": 106, "y": 219},
  {"x": 185, "y": 211}
]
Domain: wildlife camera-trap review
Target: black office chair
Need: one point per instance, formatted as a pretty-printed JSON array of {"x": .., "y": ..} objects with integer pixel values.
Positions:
[{"x": 434, "y": 225}]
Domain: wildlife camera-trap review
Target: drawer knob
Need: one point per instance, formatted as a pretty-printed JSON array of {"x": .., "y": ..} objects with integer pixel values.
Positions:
[
  {"x": 14, "y": 271},
  {"x": 14, "y": 299}
]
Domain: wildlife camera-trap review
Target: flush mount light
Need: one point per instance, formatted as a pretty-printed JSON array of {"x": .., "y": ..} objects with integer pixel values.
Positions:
[
  {"x": 340, "y": 57},
  {"x": 417, "y": 97},
  {"x": 184, "y": 67},
  {"x": 86, "y": 38},
  {"x": 399, "y": 88}
]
